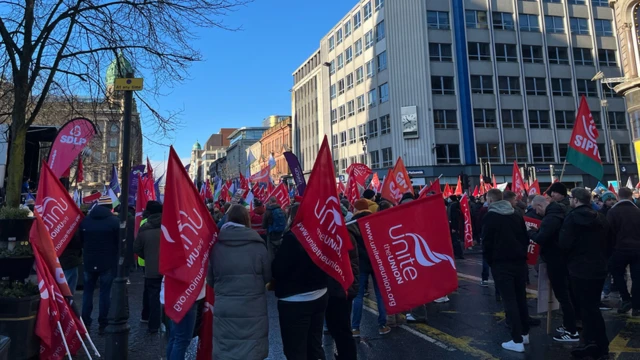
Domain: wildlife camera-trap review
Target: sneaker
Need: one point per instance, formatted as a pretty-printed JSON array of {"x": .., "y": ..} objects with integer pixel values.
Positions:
[
  {"x": 625, "y": 307},
  {"x": 484, "y": 283},
  {"x": 384, "y": 330},
  {"x": 525, "y": 339},
  {"x": 567, "y": 337},
  {"x": 517, "y": 347},
  {"x": 605, "y": 307},
  {"x": 604, "y": 296},
  {"x": 411, "y": 319},
  {"x": 561, "y": 329},
  {"x": 441, "y": 300},
  {"x": 144, "y": 321},
  {"x": 355, "y": 333}
]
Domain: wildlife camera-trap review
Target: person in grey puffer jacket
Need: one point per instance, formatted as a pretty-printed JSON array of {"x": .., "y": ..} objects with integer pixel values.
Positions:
[{"x": 239, "y": 269}]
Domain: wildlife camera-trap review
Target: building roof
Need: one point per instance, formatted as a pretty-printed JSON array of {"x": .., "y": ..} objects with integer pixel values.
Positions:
[
  {"x": 233, "y": 134},
  {"x": 118, "y": 68},
  {"x": 197, "y": 146}
]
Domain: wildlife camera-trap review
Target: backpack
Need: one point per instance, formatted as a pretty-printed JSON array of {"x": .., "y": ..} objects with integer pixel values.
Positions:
[{"x": 279, "y": 222}]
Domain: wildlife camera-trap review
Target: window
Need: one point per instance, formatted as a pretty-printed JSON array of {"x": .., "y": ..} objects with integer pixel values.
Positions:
[
  {"x": 335, "y": 166},
  {"x": 562, "y": 152},
  {"x": 532, "y": 54},
  {"x": 380, "y": 31},
  {"x": 481, "y": 84},
  {"x": 347, "y": 28},
  {"x": 578, "y": 2},
  {"x": 334, "y": 140},
  {"x": 332, "y": 91},
  {"x": 543, "y": 153},
  {"x": 509, "y": 85},
  {"x": 375, "y": 159},
  {"x": 539, "y": 119},
  {"x": 357, "y": 20},
  {"x": 624, "y": 152},
  {"x": 387, "y": 157},
  {"x": 373, "y": 128},
  {"x": 338, "y": 36},
  {"x": 340, "y": 86},
  {"x": 332, "y": 43},
  {"x": 359, "y": 75},
  {"x": 445, "y": 119},
  {"x": 604, "y": 3},
  {"x": 442, "y": 85},
  {"x": 342, "y": 111},
  {"x": 368, "y": 39},
  {"x": 349, "y": 81},
  {"x": 334, "y": 116},
  {"x": 484, "y": 118},
  {"x": 343, "y": 165},
  {"x": 340, "y": 61},
  {"x": 506, "y": 53},
  {"x": 582, "y": 56},
  {"x": 512, "y": 119},
  {"x": 489, "y": 152},
  {"x": 348, "y": 54},
  {"x": 371, "y": 98},
  {"x": 447, "y": 154},
  {"x": 114, "y": 128},
  {"x": 97, "y": 156},
  {"x": 352, "y": 136},
  {"x": 113, "y": 157},
  {"x": 617, "y": 120},
  {"x": 358, "y": 46},
  {"x": 554, "y": 24},
  {"x": 552, "y": 1},
  {"x": 113, "y": 142},
  {"x": 479, "y": 51},
  {"x": 438, "y": 20},
  {"x": 516, "y": 152},
  {"x": 379, "y": 4},
  {"x": 536, "y": 86},
  {"x": 579, "y": 26},
  {"x": 607, "y": 57},
  {"x": 343, "y": 138},
  {"x": 476, "y": 19},
  {"x": 603, "y": 27},
  {"x": 561, "y": 87},
  {"x": 565, "y": 119},
  {"x": 558, "y": 55},
  {"x": 586, "y": 87},
  {"x": 385, "y": 125},
  {"x": 440, "y": 52},
  {"x": 384, "y": 93},
  {"x": 529, "y": 22},
  {"x": 382, "y": 61},
  {"x": 609, "y": 92},
  {"x": 370, "y": 68},
  {"x": 351, "y": 108},
  {"x": 503, "y": 21},
  {"x": 332, "y": 67},
  {"x": 596, "y": 119},
  {"x": 367, "y": 10},
  {"x": 362, "y": 131},
  {"x": 360, "y": 102}
]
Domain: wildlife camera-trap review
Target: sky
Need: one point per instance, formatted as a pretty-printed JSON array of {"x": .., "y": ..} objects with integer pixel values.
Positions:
[{"x": 246, "y": 74}]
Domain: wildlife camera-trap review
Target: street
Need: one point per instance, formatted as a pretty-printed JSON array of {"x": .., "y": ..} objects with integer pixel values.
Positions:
[{"x": 471, "y": 326}]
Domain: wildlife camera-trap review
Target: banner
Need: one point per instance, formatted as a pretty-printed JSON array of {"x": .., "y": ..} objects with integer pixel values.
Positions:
[
  {"x": 375, "y": 183},
  {"x": 583, "y": 150},
  {"x": 92, "y": 198},
  {"x": 205, "y": 334},
  {"x": 72, "y": 138},
  {"x": 59, "y": 212},
  {"x": 518, "y": 182},
  {"x": 261, "y": 176},
  {"x": 433, "y": 189},
  {"x": 136, "y": 172},
  {"x": 468, "y": 227},
  {"x": 534, "y": 188},
  {"x": 412, "y": 258},
  {"x": 533, "y": 252},
  {"x": 188, "y": 233},
  {"x": 360, "y": 172},
  {"x": 39, "y": 237},
  {"x": 296, "y": 171},
  {"x": 319, "y": 225},
  {"x": 281, "y": 194}
]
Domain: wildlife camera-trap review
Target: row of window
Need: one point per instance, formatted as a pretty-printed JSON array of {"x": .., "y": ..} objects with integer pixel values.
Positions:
[
  {"x": 381, "y": 95},
  {"x": 387, "y": 158},
  {"x": 604, "y": 3},
  {"x": 347, "y": 82},
  {"x": 385, "y": 128},
  {"x": 369, "y": 36}
]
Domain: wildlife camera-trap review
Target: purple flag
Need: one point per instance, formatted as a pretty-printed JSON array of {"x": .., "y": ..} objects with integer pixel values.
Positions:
[
  {"x": 296, "y": 170},
  {"x": 136, "y": 171},
  {"x": 156, "y": 186}
]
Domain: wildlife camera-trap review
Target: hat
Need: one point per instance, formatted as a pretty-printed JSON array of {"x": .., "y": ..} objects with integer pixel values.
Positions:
[
  {"x": 557, "y": 187},
  {"x": 154, "y": 207},
  {"x": 608, "y": 195},
  {"x": 361, "y": 205},
  {"x": 369, "y": 194},
  {"x": 257, "y": 202},
  {"x": 105, "y": 200},
  {"x": 406, "y": 198}
]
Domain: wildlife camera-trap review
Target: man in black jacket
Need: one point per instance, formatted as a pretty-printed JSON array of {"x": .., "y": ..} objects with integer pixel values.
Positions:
[
  {"x": 456, "y": 225},
  {"x": 505, "y": 244},
  {"x": 624, "y": 219},
  {"x": 557, "y": 192},
  {"x": 584, "y": 238},
  {"x": 547, "y": 237}
]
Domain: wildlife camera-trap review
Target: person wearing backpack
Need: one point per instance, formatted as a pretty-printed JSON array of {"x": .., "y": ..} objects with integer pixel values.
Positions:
[{"x": 274, "y": 221}]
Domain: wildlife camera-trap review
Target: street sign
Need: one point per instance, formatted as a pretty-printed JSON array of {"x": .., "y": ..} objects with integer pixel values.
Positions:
[
  {"x": 613, "y": 80},
  {"x": 128, "y": 84}
]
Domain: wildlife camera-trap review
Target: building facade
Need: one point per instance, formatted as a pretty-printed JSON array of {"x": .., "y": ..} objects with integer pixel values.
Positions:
[
  {"x": 447, "y": 85},
  {"x": 275, "y": 142},
  {"x": 239, "y": 141}
]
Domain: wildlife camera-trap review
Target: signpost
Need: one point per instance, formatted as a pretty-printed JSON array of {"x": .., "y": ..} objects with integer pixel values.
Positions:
[{"x": 128, "y": 84}]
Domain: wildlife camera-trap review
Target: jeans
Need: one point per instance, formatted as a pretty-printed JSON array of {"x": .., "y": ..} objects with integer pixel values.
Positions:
[
  {"x": 338, "y": 320},
  {"x": 90, "y": 279},
  {"x": 180, "y": 334},
  {"x": 152, "y": 298},
  {"x": 606, "y": 288},
  {"x": 559, "y": 278},
  {"x": 359, "y": 300},
  {"x": 301, "y": 328},
  {"x": 72, "y": 278},
  {"x": 618, "y": 264},
  {"x": 511, "y": 280},
  {"x": 588, "y": 300}
]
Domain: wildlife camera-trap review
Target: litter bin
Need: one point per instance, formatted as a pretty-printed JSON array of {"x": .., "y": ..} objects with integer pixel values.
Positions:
[{"x": 18, "y": 322}]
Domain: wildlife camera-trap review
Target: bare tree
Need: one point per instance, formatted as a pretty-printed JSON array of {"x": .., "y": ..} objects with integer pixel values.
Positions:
[{"x": 59, "y": 47}]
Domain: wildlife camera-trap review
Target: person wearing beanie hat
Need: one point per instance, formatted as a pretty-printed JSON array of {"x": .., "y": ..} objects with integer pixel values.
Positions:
[
  {"x": 608, "y": 200},
  {"x": 407, "y": 197},
  {"x": 256, "y": 214},
  {"x": 369, "y": 195},
  {"x": 558, "y": 193}
]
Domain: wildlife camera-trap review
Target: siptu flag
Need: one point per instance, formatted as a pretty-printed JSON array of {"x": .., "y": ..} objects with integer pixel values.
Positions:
[
  {"x": 114, "y": 184},
  {"x": 583, "y": 150},
  {"x": 468, "y": 227},
  {"x": 205, "y": 335},
  {"x": 413, "y": 258},
  {"x": 518, "y": 182},
  {"x": 458, "y": 191},
  {"x": 447, "y": 191},
  {"x": 319, "y": 225},
  {"x": 80, "y": 172},
  {"x": 433, "y": 189},
  {"x": 187, "y": 235},
  {"x": 534, "y": 188}
]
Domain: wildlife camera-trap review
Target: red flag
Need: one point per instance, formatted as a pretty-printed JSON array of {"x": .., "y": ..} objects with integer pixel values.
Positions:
[
  {"x": 375, "y": 183},
  {"x": 482, "y": 188},
  {"x": 468, "y": 227},
  {"x": 59, "y": 212},
  {"x": 413, "y": 257},
  {"x": 261, "y": 176},
  {"x": 341, "y": 188},
  {"x": 205, "y": 335},
  {"x": 526, "y": 187},
  {"x": 259, "y": 192},
  {"x": 188, "y": 233},
  {"x": 149, "y": 190},
  {"x": 583, "y": 146},
  {"x": 39, "y": 237},
  {"x": 517, "y": 181},
  {"x": 141, "y": 205},
  {"x": 91, "y": 198},
  {"x": 447, "y": 191},
  {"x": 391, "y": 190},
  {"x": 475, "y": 191},
  {"x": 458, "y": 187},
  {"x": 80, "y": 172},
  {"x": 207, "y": 191},
  {"x": 281, "y": 194},
  {"x": 67, "y": 173},
  {"x": 493, "y": 180},
  {"x": 402, "y": 177},
  {"x": 434, "y": 187},
  {"x": 534, "y": 189},
  {"x": 613, "y": 190},
  {"x": 360, "y": 172},
  {"x": 244, "y": 184},
  {"x": 533, "y": 252},
  {"x": 319, "y": 225},
  {"x": 353, "y": 191}
]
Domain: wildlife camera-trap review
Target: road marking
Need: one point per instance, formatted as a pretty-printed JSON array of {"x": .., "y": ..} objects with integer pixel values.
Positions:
[
  {"x": 477, "y": 279},
  {"x": 619, "y": 343}
]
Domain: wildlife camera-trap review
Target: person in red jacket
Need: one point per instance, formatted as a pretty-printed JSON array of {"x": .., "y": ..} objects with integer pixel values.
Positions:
[{"x": 256, "y": 218}]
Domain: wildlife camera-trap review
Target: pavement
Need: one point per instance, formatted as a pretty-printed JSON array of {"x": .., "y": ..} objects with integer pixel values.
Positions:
[{"x": 470, "y": 326}]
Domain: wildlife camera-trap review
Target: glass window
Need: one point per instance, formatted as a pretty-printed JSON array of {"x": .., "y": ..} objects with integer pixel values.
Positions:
[
  {"x": 558, "y": 55},
  {"x": 442, "y": 85},
  {"x": 607, "y": 57},
  {"x": 113, "y": 156},
  {"x": 343, "y": 138},
  {"x": 371, "y": 98},
  {"x": 490, "y": 152},
  {"x": 529, "y": 22},
  {"x": 347, "y": 28},
  {"x": 340, "y": 86},
  {"x": 385, "y": 125},
  {"x": 509, "y": 85},
  {"x": 543, "y": 153},
  {"x": 484, "y": 118},
  {"x": 113, "y": 142},
  {"x": 351, "y": 108},
  {"x": 338, "y": 36},
  {"x": 342, "y": 111},
  {"x": 447, "y": 154},
  {"x": 362, "y": 131},
  {"x": 512, "y": 119},
  {"x": 516, "y": 152},
  {"x": 608, "y": 92},
  {"x": 579, "y": 26},
  {"x": 476, "y": 19},
  {"x": 380, "y": 31},
  {"x": 332, "y": 43},
  {"x": 603, "y": 27},
  {"x": 375, "y": 159},
  {"x": 539, "y": 119},
  {"x": 379, "y": 4},
  {"x": 387, "y": 157},
  {"x": 332, "y": 67},
  {"x": 358, "y": 46},
  {"x": 535, "y": 86},
  {"x": 561, "y": 87},
  {"x": 582, "y": 56},
  {"x": 384, "y": 93},
  {"x": 373, "y": 128},
  {"x": 368, "y": 39},
  {"x": 440, "y": 52},
  {"x": 604, "y": 3},
  {"x": 624, "y": 152},
  {"x": 332, "y": 91},
  {"x": 578, "y": 2},
  {"x": 506, "y": 53},
  {"x": 352, "y": 136},
  {"x": 481, "y": 84},
  {"x": 370, "y": 68},
  {"x": 503, "y": 21},
  {"x": 617, "y": 120},
  {"x": 445, "y": 119},
  {"x": 360, "y": 102},
  {"x": 340, "y": 59},
  {"x": 382, "y": 61},
  {"x": 359, "y": 75},
  {"x": 114, "y": 128},
  {"x": 357, "y": 20},
  {"x": 565, "y": 119},
  {"x": 334, "y": 116},
  {"x": 348, "y": 54},
  {"x": 367, "y": 10},
  {"x": 553, "y": 1},
  {"x": 554, "y": 24},
  {"x": 586, "y": 87},
  {"x": 349, "y": 80},
  {"x": 479, "y": 51},
  {"x": 438, "y": 20},
  {"x": 532, "y": 54}
]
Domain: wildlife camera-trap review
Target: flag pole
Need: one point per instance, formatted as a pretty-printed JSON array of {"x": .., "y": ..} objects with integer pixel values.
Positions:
[
  {"x": 64, "y": 341},
  {"x": 93, "y": 346},
  {"x": 564, "y": 165},
  {"x": 83, "y": 345}
]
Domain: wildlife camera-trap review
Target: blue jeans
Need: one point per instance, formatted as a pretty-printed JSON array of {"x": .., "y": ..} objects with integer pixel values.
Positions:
[
  {"x": 90, "y": 279},
  {"x": 180, "y": 334},
  {"x": 72, "y": 278},
  {"x": 606, "y": 289},
  {"x": 358, "y": 302}
]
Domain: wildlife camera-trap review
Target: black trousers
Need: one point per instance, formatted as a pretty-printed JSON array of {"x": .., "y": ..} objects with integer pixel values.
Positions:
[
  {"x": 559, "y": 278},
  {"x": 511, "y": 281},
  {"x": 152, "y": 301},
  {"x": 301, "y": 328},
  {"x": 458, "y": 251},
  {"x": 618, "y": 268},
  {"x": 338, "y": 318},
  {"x": 588, "y": 301}
]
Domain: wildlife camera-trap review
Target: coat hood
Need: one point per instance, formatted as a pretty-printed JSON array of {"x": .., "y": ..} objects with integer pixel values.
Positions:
[
  {"x": 585, "y": 216},
  {"x": 100, "y": 212},
  {"x": 238, "y": 236},
  {"x": 153, "y": 221},
  {"x": 502, "y": 207}
]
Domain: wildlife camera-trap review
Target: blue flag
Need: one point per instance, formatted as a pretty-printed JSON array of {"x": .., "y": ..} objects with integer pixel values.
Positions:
[{"x": 114, "y": 184}]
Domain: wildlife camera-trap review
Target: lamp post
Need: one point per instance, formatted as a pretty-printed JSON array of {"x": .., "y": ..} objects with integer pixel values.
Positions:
[
  {"x": 601, "y": 80},
  {"x": 363, "y": 140}
]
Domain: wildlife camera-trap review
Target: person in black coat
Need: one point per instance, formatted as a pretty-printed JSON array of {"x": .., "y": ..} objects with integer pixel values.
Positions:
[
  {"x": 71, "y": 259},
  {"x": 99, "y": 232},
  {"x": 583, "y": 237},
  {"x": 456, "y": 225}
]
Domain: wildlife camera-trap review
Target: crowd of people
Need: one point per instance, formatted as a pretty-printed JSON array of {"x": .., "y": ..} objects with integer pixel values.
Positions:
[{"x": 586, "y": 242}]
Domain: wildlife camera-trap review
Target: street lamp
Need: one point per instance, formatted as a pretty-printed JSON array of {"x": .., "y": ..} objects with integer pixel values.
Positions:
[
  {"x": 363, "y": 140},
  {"x": 601, "y": 80}
]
